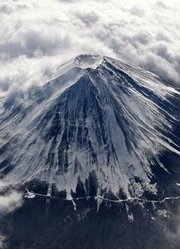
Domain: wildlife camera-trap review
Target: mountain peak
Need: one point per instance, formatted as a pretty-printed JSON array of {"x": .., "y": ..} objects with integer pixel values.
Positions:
[{"x": 98, "y": 117}]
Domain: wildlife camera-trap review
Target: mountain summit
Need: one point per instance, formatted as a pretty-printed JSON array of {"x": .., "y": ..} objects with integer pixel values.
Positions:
[{"x": 97, "y": 117}]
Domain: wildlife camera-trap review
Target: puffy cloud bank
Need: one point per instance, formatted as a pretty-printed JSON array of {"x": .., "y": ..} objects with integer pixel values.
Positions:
[
  {"x": 37, "y": 35},
  {"x": 10, "y": 199}
]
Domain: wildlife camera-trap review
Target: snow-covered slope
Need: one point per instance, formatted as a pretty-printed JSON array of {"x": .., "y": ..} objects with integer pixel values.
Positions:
[{"x": 99, "y": 117}]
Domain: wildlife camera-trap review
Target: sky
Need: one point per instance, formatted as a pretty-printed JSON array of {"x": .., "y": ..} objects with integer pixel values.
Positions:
[{"x": 36, "y": 36}]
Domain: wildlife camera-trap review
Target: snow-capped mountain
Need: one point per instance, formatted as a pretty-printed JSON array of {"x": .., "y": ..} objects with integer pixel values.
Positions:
[{"x": 97, "y": 117}]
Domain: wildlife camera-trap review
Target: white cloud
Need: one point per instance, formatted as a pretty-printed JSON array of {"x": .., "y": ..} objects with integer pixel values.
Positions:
[
  {"x": 37, "y": 35},
  {"x": 2, "y": 241},
  {"x": 10, "y": 199},
  {"x": 10, "y": 202},
  {"x": 172, "y": 232}
]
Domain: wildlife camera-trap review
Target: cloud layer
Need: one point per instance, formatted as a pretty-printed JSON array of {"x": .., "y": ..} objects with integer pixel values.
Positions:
[
  {"x": 37, "y": 35},
  {"x": 10, "y": 199}
]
